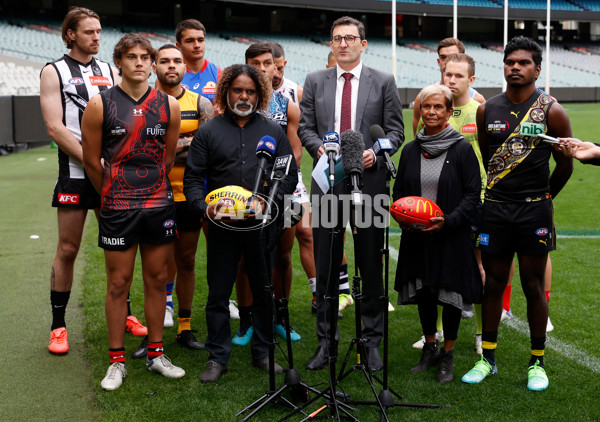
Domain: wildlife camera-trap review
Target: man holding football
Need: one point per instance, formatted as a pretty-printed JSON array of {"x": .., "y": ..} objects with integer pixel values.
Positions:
[{"x": 222, "y": 153}]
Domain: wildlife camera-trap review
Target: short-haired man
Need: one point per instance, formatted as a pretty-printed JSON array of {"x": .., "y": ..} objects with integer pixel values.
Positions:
[
  {"x": 351, "y": 96},
  {"x": 281, "y": 84},
  {"x": 517, "y": 213},
  {"x": 459, "y": 75},
  {"x": 66, "y": 86},
  {"x": 223, "y": 153},
  {"x": 201, "y": 76},
  {"x": 129, "y": 135},
  {"x": 195, "y": 111},
  {"x": 446, "y": 48}
]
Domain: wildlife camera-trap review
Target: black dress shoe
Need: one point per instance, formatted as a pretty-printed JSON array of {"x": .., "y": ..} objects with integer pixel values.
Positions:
[
  {"x": 374, "y": 357},
  {"x": 187, "y": 339},
  {"x": 213, "y": 372},
  {"x": 264, "y": 365},
  {"x": 319, "y": 359},
  {"x": 142, "y": 350}
]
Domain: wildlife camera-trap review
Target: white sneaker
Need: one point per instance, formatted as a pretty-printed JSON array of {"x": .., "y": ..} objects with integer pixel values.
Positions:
[
  {"x": 169, "y": 312},
  {"x": 506, "y": 315},
  {"x": 114, "y": 376},
  {"x": 439, "y": 337},
  {"x": 233, "y": 310},
  {"x": 162, "y": 365},
  {"x": 391, "y": 307},
  {"x": 478, "y": 345},
  {"x": 549, "y": 326}
]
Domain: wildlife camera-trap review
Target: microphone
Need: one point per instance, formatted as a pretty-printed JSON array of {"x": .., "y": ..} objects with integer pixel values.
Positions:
[
  {"x": 264, "y": 151},
  {"x": 331, "y": 145},
  {"x": 353, "y": 147},
  {"x": 381, "y": 143},
  {"x": 281, "y": 169}
]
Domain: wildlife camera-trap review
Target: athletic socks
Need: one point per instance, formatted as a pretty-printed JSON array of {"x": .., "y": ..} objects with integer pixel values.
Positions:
[
  {"x": 506, "y": 298},
  {"x": 155, "y": 349},
  {"x": 489, "y": 342},
  {"x": 117, "y": 355},
  {"x": 478, "y": 317},
  {"x": 538, "y": 344},
  {"x": 547, "y": 295},
  {"x": 170, "y": 293},
  {"x": 439, "y": 322},
  {"x": 344, "y": 285},
  {"x": 128, "y": 305},
  {"x": 245, "y": 316},
  {"x": 184, "y": 320},
  {"x": 58, "y": 301},
  {"x": 312, "y": 282}
]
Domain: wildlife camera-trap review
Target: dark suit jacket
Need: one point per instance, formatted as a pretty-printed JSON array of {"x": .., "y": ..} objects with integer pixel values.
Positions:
[{"x": 378, "y": 103}]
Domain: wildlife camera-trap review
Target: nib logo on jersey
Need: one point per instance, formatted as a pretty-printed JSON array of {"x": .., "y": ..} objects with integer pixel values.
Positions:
[
  {"x": 156, "y": 130},
  {"x": 498, "y": 126}
]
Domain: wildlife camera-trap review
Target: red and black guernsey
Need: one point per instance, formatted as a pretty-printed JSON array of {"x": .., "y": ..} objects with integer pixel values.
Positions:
[{"x": 133, "y": 148}]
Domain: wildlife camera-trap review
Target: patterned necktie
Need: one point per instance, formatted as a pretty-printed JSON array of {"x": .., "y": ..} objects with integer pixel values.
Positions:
[{"x": 346, "y": 114}]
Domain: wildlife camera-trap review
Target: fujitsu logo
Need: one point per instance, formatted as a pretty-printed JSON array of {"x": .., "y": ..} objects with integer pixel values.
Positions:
[
  {"x": 68, "y": 198},
  {"x": 156, "y": 130},
  {"x": 137, "y": 112}
]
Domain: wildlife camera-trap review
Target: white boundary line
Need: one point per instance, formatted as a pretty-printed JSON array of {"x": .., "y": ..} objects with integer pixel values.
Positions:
[{"x": 559, "y": 346}]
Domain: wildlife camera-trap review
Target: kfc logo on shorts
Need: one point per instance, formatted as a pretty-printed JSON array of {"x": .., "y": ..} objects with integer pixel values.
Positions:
[
  {"x": 68, "y": 198},
  {"x": 168, "y": 224},
  {"x": 76, "y": 81},
  {"x": 542, "y": 231}
]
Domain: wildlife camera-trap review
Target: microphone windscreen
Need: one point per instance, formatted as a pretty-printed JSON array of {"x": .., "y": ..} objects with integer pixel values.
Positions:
[
  {"x": 353, "y": 147},
  {"x": 376, "y": 132},
  {"x": 266, "y": 146}
]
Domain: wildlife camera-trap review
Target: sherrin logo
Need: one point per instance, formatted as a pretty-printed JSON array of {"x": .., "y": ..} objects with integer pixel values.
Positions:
[
  {"x": 169, "y": 223},
  {"x": 472, "y": 128},
  {"x": 210, "y": 88},
  {"x": 76, "y": 81}
]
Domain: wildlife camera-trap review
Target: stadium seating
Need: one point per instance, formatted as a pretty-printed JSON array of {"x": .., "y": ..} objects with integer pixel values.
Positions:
[{"x": 416, "y": 59}]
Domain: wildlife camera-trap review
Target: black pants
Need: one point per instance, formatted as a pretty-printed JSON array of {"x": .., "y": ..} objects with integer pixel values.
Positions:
[
  {"x": 224, "y": 249},
  {"x": 328, "y": 257}
]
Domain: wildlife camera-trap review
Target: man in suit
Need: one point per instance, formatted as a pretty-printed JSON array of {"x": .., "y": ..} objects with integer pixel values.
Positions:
[{"x": 350, "y": 96}]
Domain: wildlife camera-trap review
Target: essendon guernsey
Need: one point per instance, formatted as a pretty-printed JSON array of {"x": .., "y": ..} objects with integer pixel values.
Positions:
[{"x": 133, "y": 148}]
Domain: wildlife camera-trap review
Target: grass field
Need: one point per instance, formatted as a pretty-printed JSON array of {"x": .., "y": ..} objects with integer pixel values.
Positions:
[{"x": 572, "y": 357}]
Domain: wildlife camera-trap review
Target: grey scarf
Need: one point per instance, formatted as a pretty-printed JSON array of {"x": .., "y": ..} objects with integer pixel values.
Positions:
[{"x": 434, "y": 149}]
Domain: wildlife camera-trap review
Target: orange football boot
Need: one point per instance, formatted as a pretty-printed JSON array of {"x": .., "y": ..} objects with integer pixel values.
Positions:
[
  {"x": 135, "y": 327},
  {"x": 59, "y": 343}
]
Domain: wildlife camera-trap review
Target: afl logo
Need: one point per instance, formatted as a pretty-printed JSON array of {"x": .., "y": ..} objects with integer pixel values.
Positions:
[
  {"x": 270, "y": 146},
  {"x": 168, "y": 224},
  {"x": 542, "y": 232},
  {"x": 226, "y": 202},
  {"x": 76, "y": 81}
]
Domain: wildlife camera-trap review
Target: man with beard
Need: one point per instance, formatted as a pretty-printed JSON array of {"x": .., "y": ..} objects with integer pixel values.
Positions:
[
  {"x": 222, "y": 153},
  {"x": 517, "y": 214}
]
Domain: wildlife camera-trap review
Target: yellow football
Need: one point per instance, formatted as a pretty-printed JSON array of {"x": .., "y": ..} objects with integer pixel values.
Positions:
[{"x": 234, "y": 199}]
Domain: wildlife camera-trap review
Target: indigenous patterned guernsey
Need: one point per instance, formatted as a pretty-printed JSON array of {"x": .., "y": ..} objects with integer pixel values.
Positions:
[
  {"x": 518, "y": 169},
  {"x": 78, "y": 83},
  {"x": 133, "y": 147}
]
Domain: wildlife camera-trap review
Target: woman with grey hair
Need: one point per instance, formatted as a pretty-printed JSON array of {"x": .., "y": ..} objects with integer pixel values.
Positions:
[{"x": 436, "y": 265}]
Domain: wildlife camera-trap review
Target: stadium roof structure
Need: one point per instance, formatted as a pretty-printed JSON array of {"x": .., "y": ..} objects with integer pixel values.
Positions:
[{"x": 579, "y": 10}]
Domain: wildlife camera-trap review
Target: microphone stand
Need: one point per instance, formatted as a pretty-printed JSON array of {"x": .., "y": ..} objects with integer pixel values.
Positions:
[
  {"x": 385, "y": 399},
  {"x": 337, "y": 408},
  {"x": 299, "y": 389}
]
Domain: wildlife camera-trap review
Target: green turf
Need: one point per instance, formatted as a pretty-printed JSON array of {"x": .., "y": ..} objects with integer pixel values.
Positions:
[{"x": 31, "y": 389}]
